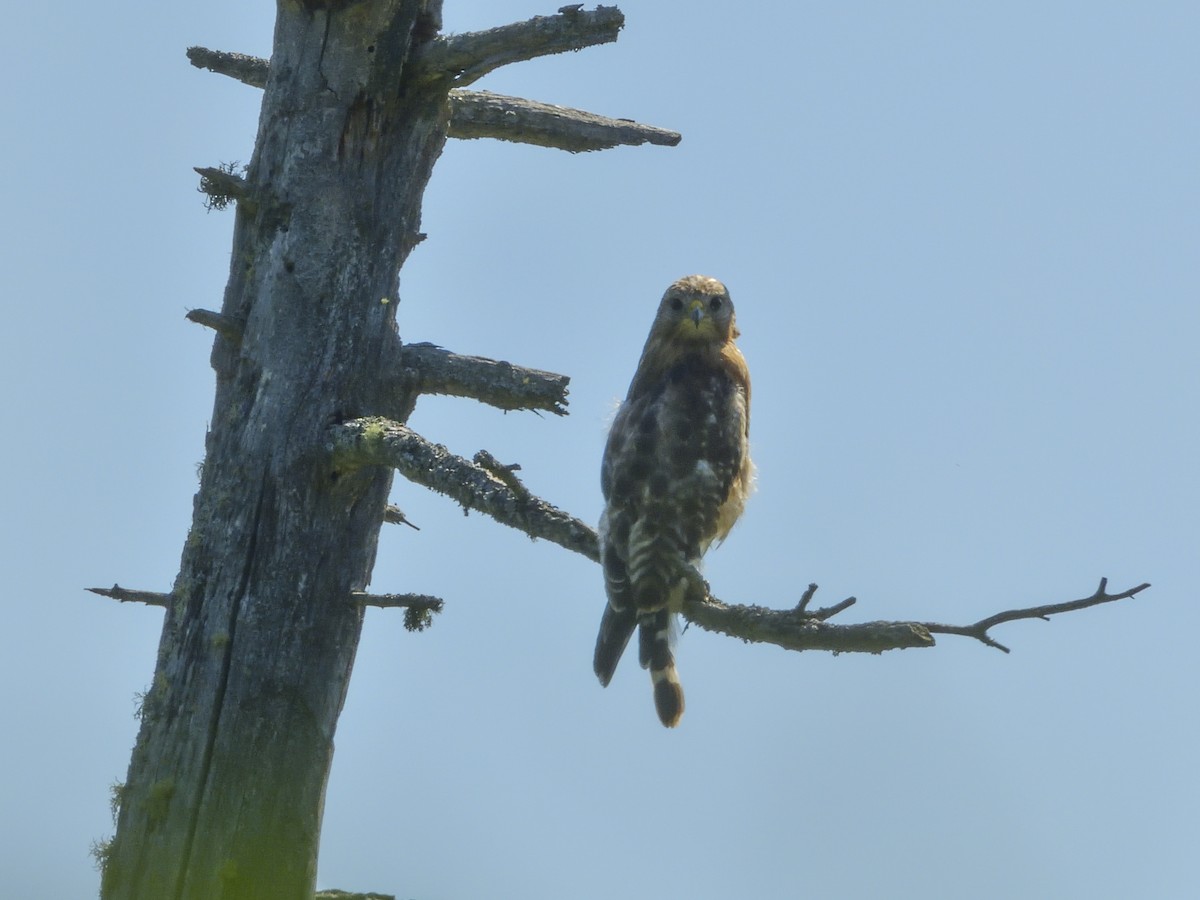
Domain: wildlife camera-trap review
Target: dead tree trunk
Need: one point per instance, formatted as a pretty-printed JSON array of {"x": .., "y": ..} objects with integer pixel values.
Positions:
[{"x": 226, "y": 784}]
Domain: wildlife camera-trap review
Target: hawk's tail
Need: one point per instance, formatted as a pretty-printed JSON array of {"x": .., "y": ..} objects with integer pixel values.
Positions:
[
  {"x": 616, "y": 628},
  {"x": 654, "y": 650}
]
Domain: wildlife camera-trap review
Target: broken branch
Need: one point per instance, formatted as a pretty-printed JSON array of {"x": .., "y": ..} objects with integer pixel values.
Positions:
[
  {"x": 395, "y": 516},
  {"x": 465, "y": 58},
  {"x": 419, "y": 609},
  {"x": 222, "y": 185},
  {"x": 419, "y": 602},
  {"x": 250, "y": 70},
  {"x": 382, "y": 442},
  {"x": 494, "y": 382},
  {"x": 479, "y": 114},
  {"x": 116, "y": 592},
  {"x": 229, "y": 327}
]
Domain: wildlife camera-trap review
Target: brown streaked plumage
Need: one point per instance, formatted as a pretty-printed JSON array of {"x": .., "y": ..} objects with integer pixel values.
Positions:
[{"x": 675, "y": 477}]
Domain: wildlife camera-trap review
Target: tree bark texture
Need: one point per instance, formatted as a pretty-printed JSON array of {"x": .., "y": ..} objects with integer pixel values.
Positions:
[{"x": 228, "y": 776}]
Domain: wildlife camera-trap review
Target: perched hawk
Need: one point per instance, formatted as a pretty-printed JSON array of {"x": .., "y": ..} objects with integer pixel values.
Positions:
[{"x": 675, "y": 477}]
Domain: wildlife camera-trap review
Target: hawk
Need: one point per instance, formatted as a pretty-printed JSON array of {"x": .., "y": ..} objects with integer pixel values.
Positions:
[{"x": 675, "y": 477}]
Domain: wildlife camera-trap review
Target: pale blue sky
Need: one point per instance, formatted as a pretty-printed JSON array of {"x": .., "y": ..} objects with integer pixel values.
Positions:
[{"x": 964, "y": 241}]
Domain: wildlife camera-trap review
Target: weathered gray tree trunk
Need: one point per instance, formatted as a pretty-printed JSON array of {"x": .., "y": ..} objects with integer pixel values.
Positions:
[
  {"x": 226, "y": 784},
  {"x": 228, "y": 776}
]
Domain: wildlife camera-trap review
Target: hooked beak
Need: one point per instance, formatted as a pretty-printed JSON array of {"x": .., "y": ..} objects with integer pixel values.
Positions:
[{"x": 697, "y": 312}]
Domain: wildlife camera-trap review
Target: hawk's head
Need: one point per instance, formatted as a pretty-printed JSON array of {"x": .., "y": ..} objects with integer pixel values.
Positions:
[{"x": 696, "y": 308}]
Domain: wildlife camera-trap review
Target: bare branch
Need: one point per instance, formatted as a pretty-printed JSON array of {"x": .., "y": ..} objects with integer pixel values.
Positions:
[
  {"x": 249, "y": 70},
  {"x": 480, "y": 486},
  {"x": 495, "y": 382},
  {"x": 229, "y": 327},
  {"x": 476, "y": 114},
  {"x": 116, "y": 592},
  {"x": 480, "y": 114},
  {"x": 806, "y": 597},
  {"x": 397, "y": 601},
  {"x": 429, "y": 369},
  {"x": 979, "y": 630},
  {"x": 418, "y": 602},
  {"x": 794, "y": 629},
  {"x": 395, "y": 516},
  {"x": 465, "y": 58},
  {"x": 798, "y": 629},
  {"x": 382, "y": 442},
  {"x": 419, "y": 609}
]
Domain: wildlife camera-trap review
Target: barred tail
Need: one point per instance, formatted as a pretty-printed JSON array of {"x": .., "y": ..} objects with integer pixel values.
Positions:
[{"x": 654, "y": 650}]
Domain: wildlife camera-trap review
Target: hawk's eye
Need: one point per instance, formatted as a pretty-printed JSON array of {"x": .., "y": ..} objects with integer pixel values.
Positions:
[
  {"x": 676, "y": 304},
  {"x": 715, "y": 303}
]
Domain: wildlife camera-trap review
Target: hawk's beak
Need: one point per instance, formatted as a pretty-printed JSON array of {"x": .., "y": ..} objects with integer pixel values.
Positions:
[{"x": 697, "y": 312}]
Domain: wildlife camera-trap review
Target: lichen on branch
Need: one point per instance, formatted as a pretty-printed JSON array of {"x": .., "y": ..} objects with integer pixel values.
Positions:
[
  {"x": 481, "y": 114},
  {"x": 382, "y": 442},
  {"x": 478, "y": 486},
  {"x": 498, "y": 383},
  {"x": 465, "y": 58}
]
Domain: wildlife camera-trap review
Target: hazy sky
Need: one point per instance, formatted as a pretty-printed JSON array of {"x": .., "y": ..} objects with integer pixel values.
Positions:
[{"x": 964, "y": 243}]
